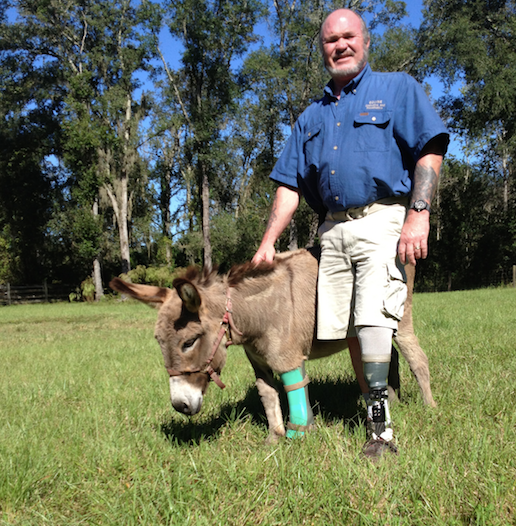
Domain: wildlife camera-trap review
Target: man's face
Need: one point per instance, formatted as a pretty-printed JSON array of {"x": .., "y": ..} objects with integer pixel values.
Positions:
[{"x": 344, "y": 51}]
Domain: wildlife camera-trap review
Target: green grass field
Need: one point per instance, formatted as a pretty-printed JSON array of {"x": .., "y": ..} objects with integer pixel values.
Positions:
[{"x": 88, "y": 435}]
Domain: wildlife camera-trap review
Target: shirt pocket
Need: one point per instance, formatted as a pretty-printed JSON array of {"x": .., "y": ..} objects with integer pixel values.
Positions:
[
  {"x": 373, "y": 131},
  {"x": 312, "y": 145},
  {"x": 395, "y": 292}
]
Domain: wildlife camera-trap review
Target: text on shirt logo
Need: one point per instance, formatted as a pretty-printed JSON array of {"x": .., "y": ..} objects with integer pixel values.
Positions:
[{"x": 375, "y": 105}]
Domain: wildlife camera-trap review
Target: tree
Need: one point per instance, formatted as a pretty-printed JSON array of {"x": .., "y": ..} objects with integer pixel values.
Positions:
[
  {"x": 94, "y": 51},
  {"x": 473, "y": 43},
  {"x": 214, "y": 33},
  {"x": 29, "y": 104}
]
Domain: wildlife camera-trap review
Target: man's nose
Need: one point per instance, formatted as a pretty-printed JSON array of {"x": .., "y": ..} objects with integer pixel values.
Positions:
[{"x": 342, "y": 44}]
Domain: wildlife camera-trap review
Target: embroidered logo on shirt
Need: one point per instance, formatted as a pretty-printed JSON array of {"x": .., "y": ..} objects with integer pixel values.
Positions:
[{"x": 375, "y": 105}]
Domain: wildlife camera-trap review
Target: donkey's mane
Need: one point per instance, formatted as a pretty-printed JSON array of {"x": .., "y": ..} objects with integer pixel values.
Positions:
[
  {"x": 239, "y": 273},
  {"x": 204, "y": 277},
  {"x": 236, "y": 275}
]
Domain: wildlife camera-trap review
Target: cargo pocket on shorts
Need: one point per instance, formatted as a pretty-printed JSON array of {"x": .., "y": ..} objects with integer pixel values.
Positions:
[{"x": 395, "y": 292}]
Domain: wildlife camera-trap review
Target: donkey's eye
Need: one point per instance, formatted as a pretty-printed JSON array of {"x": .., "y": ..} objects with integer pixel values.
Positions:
[{"x": 189, "y": 345}]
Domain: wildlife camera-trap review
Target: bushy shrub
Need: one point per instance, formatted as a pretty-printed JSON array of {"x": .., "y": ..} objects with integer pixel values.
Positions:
[{"x": 86, "y": 292}]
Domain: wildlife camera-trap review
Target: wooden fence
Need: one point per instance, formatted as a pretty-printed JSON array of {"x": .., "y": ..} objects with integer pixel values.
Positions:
[{"x": 11, "y": 295}]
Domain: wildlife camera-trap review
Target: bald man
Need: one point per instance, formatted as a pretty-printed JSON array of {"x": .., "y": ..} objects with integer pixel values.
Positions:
[{"x": 366, "y": 157}]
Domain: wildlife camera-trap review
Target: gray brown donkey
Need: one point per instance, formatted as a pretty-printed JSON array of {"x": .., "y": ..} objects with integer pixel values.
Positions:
[{"x": 269, "y": 310}]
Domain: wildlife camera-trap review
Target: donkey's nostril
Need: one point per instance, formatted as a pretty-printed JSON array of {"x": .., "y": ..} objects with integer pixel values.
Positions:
[{"x": 185, "y": 398}]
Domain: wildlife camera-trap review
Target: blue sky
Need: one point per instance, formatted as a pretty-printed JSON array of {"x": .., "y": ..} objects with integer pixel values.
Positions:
[{"x": 172, "y": 48}]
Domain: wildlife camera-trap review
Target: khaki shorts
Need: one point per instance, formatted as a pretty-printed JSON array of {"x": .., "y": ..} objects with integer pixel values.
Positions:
[{"x": 361, "y": 281}]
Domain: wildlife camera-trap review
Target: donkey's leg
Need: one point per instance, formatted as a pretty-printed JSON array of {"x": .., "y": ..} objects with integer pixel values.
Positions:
[
  {"x": 270, "y": 398},
  {"x": 393, "y": 380},
  {"x": 409, "y": 347},
  {"x": 301, "y": 417}
]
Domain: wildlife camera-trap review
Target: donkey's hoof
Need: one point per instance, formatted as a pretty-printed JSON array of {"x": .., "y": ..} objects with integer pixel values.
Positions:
[
  {"x": 272, "y": 439},
  {"x": 374, "y": 448}
]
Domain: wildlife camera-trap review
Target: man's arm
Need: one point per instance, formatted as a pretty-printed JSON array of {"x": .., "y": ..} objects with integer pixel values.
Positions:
[
  {"x": 285, "y": 204},
  {"x": 413, "y": 242}
]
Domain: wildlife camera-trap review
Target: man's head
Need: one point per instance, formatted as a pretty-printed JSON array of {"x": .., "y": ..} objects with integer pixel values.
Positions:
[{"x": 344, "y": 41}]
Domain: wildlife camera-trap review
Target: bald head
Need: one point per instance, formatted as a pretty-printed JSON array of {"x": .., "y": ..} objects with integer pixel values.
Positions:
[
  {"x": 344, "y": 41},
  {"x": 345, "y": 13}
]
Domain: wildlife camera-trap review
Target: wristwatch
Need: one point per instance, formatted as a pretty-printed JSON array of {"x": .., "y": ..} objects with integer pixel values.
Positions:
[{"x": 420, "y": 205}]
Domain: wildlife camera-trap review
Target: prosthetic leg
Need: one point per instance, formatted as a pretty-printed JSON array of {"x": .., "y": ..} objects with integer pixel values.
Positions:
[
  {"x": 375, "y": 343},
  {"x": 301, "y": 417}
]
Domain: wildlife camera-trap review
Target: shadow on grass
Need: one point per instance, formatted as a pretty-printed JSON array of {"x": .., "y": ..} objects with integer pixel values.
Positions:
[{"x": 331, "y": 400}]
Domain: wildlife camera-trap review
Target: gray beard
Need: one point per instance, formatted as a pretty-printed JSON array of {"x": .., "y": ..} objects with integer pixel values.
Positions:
[{"x": 355, "y": 70}]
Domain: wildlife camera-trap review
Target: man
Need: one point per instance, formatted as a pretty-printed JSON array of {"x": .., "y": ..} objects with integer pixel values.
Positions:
[{"x": 367, "y": 155}]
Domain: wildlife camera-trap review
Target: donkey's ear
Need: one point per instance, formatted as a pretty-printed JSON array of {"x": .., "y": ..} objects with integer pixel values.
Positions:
[
  {"x": 188, "y": 294},
  {"x": 153, "y": 296}
]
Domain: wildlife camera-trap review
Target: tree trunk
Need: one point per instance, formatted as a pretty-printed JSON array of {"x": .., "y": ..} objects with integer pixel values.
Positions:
[
  {"x": 97, "y": 280},
  {"x": 123, "y": 228},
  {"x": 505, "y": 177},
  {"x": 97, "y": 275},
  {"x": 206, "y": 218},
  {"x": 128, "y": 161}
]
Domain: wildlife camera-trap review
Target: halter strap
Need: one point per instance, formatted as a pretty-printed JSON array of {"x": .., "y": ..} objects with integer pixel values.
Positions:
[{"x": 226, "y": 326}]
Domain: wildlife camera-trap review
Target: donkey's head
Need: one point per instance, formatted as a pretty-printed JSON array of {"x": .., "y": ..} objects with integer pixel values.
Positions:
[{"x": 187, "y": 330}]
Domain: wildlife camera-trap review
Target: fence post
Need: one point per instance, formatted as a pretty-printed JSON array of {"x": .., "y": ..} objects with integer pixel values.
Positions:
[
  {"x": 45, "y": 290},
  {"x": 514, "y": 275},
  {"x": 9, "y": 294}
]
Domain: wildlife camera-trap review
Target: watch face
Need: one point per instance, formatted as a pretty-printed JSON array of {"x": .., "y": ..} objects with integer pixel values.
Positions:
[{"x": 419, "y": 205}]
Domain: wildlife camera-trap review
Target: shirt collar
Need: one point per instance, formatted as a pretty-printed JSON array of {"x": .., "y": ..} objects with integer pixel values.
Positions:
[{"x": 352, "y": 85}]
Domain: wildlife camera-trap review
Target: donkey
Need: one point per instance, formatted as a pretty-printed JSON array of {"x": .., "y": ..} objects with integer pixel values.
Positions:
[{"x": 269, "y": 310}]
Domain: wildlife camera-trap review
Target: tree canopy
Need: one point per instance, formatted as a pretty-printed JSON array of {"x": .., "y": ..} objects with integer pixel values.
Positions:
[{"x": 116, "y": 154}]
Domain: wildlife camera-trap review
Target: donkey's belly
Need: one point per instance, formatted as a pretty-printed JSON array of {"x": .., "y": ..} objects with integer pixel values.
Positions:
[{"x": 323, "y": 348}]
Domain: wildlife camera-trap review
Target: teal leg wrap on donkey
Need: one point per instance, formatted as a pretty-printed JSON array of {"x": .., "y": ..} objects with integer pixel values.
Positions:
[{"x": 300, "y": 411}]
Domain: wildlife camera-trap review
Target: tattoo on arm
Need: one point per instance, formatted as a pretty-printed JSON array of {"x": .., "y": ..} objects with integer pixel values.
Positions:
[
  {"x": 273, "y": 215},
  {"x": 425, "y": 184}
]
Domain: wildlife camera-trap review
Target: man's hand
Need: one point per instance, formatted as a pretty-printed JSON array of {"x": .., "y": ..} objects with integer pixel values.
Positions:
[
  {"x": 413, "y": 242},
  {"x": 265, "y": 253}
]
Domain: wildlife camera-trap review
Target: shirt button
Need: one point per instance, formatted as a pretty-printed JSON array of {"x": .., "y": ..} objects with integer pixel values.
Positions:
[
  {"x": 334, "y": 147},
  {"x": 338, "y": 124},
  {"x": 373, "y": 119},
  {"x": 336, "y": 104},
  {"x": 354, "y": 91},
  {"x": 336, "y": 198},
  {"x": 333, "y": 172},
  {"x": 309, "y": 134}
]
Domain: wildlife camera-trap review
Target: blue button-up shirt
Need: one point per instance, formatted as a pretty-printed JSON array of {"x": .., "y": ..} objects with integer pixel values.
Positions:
[{"x": 352, "y": 151}]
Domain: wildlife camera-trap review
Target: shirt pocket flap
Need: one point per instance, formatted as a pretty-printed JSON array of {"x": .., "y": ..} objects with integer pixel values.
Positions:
[
  {"x": 379, "y": 118},
  {"x": 313, "y": 131},
  {"x": 312, "y": 145}
]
